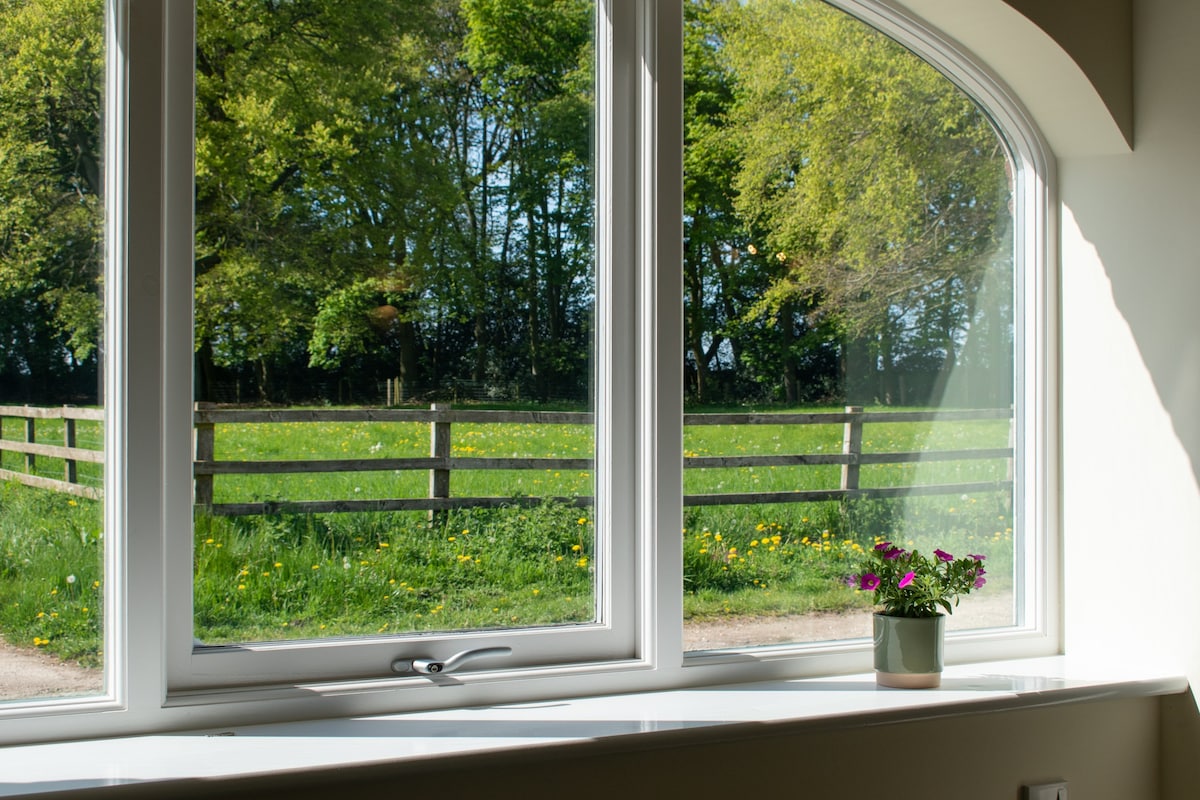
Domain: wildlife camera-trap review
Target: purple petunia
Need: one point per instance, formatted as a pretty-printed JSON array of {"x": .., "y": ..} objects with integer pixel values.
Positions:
[
  {"x": 907, "y": 579},
  {"x": 943, "y": 555},
  {"x": 976, "y": 556},
  {"x": 883, "y": 545},
  {"x": 980, "y": 581},
  {"x": 869, "y": 582},
  {"x": 894, "y": 553}
]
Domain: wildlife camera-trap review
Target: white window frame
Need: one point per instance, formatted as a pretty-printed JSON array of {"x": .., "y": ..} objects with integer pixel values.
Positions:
[
  {"x": 151, "y": 680},
  {"x": 282, "y": 665}
]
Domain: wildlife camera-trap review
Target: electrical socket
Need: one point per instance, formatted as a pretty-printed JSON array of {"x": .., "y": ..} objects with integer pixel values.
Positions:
[{"x": 1044, "y": 791}]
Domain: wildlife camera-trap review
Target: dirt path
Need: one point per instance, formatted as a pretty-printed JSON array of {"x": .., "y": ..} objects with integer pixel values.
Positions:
[
  {"x": 979, "y": 611},
  {"x": 30, "y": 674}
]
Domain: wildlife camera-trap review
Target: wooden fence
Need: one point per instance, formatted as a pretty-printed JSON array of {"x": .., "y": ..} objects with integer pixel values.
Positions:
[
  {"x": 68, "y": 451},
  {"x": 440, "y": 464}
]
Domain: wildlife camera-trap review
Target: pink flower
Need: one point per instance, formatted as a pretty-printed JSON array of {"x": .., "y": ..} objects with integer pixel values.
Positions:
[
  {"x": 976, "y": 556},
  {"x": 883, "y": 545},
  {"x": 894, "y": 553},
  {"x": 907, "y": 579},
  {"x": 943, "y": 555},
  {"x": 869, "y": 582},
  {"x": 980, "y": 581}
]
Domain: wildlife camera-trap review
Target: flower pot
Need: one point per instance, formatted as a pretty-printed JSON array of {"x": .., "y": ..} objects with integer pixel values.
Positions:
[{"x": 908, "y": 651}]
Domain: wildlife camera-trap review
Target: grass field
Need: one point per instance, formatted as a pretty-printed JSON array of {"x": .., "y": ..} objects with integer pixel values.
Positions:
[{"x": 306, "y": 576}]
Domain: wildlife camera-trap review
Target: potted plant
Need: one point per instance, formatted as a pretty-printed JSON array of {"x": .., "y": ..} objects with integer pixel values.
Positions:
[{"x": 912, "y": 590}]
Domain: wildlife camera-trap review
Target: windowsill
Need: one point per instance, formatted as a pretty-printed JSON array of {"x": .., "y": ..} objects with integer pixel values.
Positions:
[{"x": 620, "y": 722}]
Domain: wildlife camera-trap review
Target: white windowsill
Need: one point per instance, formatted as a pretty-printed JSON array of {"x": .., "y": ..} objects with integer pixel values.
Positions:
[{"x": 622, "y": 721}]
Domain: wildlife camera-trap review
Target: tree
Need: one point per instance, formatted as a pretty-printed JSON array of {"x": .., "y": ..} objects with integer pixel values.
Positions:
[
  {"x": 878, "y": 185},
  {"x": 306, "y": 140},
  {"x": 51, "y": 205}
]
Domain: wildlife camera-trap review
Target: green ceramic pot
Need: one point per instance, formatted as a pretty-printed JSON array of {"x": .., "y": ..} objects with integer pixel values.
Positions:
[{"x": 909, "y": 651}]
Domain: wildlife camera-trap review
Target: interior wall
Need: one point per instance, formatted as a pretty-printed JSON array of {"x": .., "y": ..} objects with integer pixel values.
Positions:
[
  {"x": 1099, "y": 41},
  {"x": 1131, "y": 363}
]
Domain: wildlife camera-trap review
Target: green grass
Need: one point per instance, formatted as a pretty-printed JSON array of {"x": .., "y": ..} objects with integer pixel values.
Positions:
[
  {"x": 51, "y": 572},
  {"x": 307, "y": 576}
]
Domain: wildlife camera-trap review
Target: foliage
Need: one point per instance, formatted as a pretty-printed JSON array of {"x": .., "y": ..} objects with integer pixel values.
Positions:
[
  {"x": 304, "y": 576},
  {"x": 51, "y": 93},
  {"x": 51, "y": 572},
  {"x": 911, "y": 584},
  {"x": 406, "y": 189}
]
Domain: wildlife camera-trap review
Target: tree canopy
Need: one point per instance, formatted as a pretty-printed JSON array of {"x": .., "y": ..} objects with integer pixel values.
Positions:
[{"x": 404, "y": 189}]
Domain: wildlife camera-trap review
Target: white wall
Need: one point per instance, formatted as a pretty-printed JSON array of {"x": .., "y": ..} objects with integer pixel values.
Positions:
[{"x": 1131, "y": 361}]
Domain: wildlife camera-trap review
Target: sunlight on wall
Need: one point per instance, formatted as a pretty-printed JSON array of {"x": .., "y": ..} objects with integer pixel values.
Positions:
[{"x": 1130, "y": 501}]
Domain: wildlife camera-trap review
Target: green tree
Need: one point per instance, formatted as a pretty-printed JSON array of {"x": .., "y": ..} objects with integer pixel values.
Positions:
[
  {"x": 51, "y": 206},
  {"x": 308, "y": 149},
  {"x": 879, "y": 187},
  {"x": 534, "y": 62}
]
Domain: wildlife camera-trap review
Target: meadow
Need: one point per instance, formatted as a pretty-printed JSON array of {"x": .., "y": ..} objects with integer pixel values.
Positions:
[{"x": 290, "y": 576}]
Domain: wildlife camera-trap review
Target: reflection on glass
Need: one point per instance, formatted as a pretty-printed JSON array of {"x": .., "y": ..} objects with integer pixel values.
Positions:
[
  {"x": 51, "y": 319},
  {"x": 394, "y": 294},
  {"x": 849, "y": 268}
]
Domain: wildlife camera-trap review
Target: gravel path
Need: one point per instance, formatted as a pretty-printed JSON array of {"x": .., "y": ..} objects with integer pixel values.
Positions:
[
  {"x": 979, "y": 611},
  {"x": 29, "y": 674}
]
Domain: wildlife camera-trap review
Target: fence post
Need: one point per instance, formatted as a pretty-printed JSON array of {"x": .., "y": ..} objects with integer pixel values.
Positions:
[
  {"x": 852, "y": 447},
  {"x": 439, "y": 448},
  {"x": 30, "y": 438},
  {"x": 70, "y": 474},
  {"x": 205, "y": 433}
]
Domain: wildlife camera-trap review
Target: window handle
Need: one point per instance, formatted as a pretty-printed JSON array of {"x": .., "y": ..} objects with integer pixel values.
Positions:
[{"x": 429, "y": 666}]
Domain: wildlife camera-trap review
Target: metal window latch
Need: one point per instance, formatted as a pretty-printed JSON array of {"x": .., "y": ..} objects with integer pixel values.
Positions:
[{"x": 429, "y": 666}]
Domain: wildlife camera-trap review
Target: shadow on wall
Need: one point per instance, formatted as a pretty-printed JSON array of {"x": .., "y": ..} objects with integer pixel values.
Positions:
[
  {"x": 1152, "y": 257},
  {"x": 1141, "y": 211}
]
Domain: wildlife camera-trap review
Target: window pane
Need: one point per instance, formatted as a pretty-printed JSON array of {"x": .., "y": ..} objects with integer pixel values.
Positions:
[
  {"x": 394, "y": 303},
  {"x": 849, "y": 268},
  {"x": 51, "y": 318}
]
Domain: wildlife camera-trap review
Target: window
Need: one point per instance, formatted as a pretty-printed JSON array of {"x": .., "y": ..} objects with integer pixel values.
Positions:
[
  {"x": 54, "y": 552},
  {"x": 849, "y": 330},
  {"x": 192, "y": 248}
]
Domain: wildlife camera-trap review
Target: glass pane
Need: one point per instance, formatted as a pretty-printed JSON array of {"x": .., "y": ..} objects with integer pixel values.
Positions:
[
  {"x": 51, "y": 319},
  {"x": 849, "y": 271},
  {"x": 394, "y": 300}
]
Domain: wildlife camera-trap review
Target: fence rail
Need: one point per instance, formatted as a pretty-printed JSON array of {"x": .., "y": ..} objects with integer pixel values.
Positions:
[
  {"x": 68, "y": 451},
  {"x": 440, "y": 464}
]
